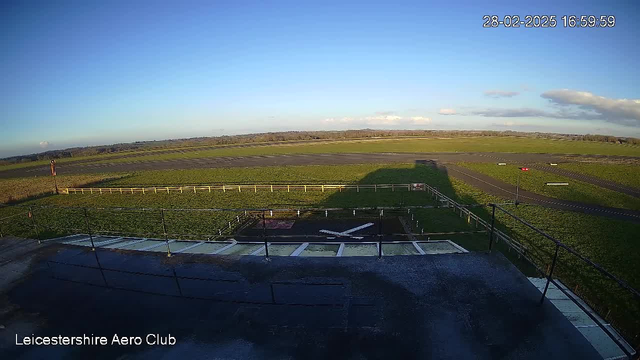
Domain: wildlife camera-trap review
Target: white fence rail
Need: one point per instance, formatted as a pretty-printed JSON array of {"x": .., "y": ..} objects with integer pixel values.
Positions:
[{"x": 244, "y": 188}]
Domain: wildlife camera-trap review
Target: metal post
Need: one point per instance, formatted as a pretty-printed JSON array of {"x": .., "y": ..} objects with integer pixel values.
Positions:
[
  {"x": 164, "y": 230},
  {"x": 380, "y": 237},
  {"x": 518, "y": 187},
  {"x": 493, "y": 222},
  {"x": 35, "y": 227},
  {"x": 1, "y": 234},
  {"x": 553, "y": 265},
  {"x": 264, "y": 236},
  {"x": 86, "y": 219},
  {"x": 55, "y": 182}
]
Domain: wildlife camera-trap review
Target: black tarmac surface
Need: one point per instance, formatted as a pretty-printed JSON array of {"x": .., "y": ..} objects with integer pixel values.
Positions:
[
  {"x": 309, "y": 230},
  {"x": 458, "y": 306}
]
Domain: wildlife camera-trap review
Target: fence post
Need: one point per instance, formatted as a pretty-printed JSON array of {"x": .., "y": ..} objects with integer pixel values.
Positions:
[
  {"x": 86, "y": 219},
  {"x": 1, "y": 234},
  {"x": 553, "y": 265},
  {"x": 264, "y": 236},
  {"x": 35, "y": 227},
  {"x": 493, "y": 222},
  {"x": 164, "y": 230},
  {"x": 380, "y": 236}
]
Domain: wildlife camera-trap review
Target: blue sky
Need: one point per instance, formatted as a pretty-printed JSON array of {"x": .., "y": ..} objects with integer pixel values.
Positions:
[{"x": 89, "y": 72}]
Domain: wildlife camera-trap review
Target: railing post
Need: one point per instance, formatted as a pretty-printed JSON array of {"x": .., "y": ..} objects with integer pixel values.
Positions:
[
  {"x": 86, "y": 220},
  {"x": 1, "y": 234},
  {"x": 380, "y": 237},
  {"x": 164, "y": 230},
  {"x": 553, "y": 265},
  {"x": 35, "y": 227},
  {"x": 493, "y": 222},
  {"x": 264, "y": 236}
]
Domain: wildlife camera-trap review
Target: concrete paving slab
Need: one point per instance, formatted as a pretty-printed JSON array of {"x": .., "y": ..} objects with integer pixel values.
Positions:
[
  {"x": 438, "y": 248},
  {"x": 322, "y": 250},
  {"x": 399, "y": 249},
  {"x": 240, "y": 249},
  {"x": 360, "y": 250},
  {"x": 206, "y": 248}
]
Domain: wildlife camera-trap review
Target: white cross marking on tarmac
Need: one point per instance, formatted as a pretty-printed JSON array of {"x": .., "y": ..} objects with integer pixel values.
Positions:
[{"x": 347, "y": 233}]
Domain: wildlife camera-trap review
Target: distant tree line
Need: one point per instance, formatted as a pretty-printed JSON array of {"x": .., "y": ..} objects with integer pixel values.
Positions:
[{"x": 298, "y": 136}]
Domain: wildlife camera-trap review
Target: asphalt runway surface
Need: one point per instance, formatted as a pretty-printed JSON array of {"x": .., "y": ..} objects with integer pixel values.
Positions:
[{"x": 443, "y": 160}]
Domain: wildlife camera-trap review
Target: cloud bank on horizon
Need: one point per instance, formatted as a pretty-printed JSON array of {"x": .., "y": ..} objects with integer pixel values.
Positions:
[{"x": 565, "y": 105}]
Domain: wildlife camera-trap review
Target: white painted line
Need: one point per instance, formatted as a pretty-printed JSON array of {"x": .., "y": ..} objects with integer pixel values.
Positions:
[
  {"x": 107, "y": 242},
  {"x": 64, "y": 237},
  {"x": 358, "y": 228},
  {"x": 261, "y": 248},
  {"x": 347, "y": 232},
  {"x": 299, "y": 249},
  {"x": 418, "y": 248},
  {"x": 340, "y": 234},
  {"x": 223, "y": 248},
  {"x": 188, "y": 247},
  {"x": 130, "y": 242},
  {"x": 340, "y": 249},
  {"x": 77, "y": 241},
  {"x": 457, "y": 246},
  {"x": 156, "y": 245}
]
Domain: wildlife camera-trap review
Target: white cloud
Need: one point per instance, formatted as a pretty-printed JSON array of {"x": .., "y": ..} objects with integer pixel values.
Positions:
[
  {"x": 621, "y": 111},
  {"x": 500, "y": 93},
  {"x": 381, "y": 120},
  {"x": 447, "y": 112},
  {"x": 419, "y": 120},
  {"x": 44, "y": 144}
]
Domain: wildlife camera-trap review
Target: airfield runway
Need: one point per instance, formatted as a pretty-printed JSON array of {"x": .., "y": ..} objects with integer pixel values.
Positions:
[{"x": 445, "y": 161}]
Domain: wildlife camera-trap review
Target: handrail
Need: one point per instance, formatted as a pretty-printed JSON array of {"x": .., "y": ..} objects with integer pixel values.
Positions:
[{"x": 620, "y": 282}]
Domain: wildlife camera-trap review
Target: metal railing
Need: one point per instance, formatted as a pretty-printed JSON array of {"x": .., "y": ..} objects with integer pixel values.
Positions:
[{"x": 495, "y": 235}]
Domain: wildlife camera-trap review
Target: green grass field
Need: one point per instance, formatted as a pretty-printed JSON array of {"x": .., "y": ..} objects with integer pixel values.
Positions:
[
  {"x": 462, "y": 144},
  {"x": 310, "y": 174},
  {"x": 21, "y": 188},
  {"x": 534, "y": 181},
  {"x": 624, "y": 174}
]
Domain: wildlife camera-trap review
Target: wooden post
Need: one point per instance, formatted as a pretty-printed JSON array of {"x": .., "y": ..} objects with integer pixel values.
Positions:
[
  {"x": 255, "y": 188},
  {"x": 223, "y": 189},
  {"x": 287, "y": 188},
  {"x": 271, "y": 188}
]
